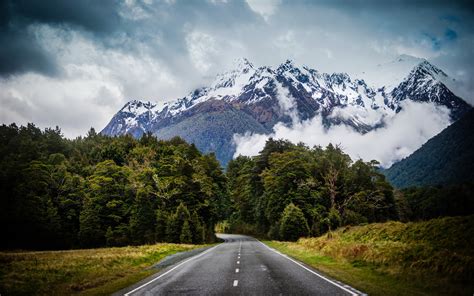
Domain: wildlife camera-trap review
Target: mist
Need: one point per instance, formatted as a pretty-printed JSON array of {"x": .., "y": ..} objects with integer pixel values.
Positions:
[{"x": 401, "y": 135}]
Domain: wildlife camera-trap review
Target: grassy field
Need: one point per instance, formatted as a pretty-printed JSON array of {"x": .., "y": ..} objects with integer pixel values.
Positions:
[
  {"x": 435, "y": 257},
  {"x": 82, "y": 272}
]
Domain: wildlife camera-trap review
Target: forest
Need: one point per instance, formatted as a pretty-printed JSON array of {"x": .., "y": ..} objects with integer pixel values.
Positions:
[
  {"x": 289, "y": 191},
  {"x": 102, "y": 191},
  {"x": 93, "y": 191}
]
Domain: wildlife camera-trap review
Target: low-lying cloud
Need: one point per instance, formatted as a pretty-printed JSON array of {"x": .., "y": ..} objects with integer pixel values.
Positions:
[{"x": 402, "y": 134}]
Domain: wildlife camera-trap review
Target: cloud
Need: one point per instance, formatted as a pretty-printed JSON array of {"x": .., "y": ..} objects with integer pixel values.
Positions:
[
  {"x": 94, "y": 83},
  {"x": 21, "y": 52},
  {"x": 201, "y": 48},
  {"x": 450, "y": 34},
  {"x": 401, "y": 135},
  {"x": 266, "y": 8},
  {"x": 163, "y": 49}
]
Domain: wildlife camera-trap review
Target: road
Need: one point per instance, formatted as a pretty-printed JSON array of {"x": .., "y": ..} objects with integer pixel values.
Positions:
[{"x": 241, "y": 265}]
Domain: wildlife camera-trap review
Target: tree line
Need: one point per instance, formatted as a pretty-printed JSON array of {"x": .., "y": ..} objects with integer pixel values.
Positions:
[
  {"x": 97, "y": 191},
  {"x": 103, "y": 191},
  {"x": 289, "y": 190}
]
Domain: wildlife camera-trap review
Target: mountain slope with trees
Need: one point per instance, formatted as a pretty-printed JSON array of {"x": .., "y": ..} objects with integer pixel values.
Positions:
[{"x": 447, "y": 158}]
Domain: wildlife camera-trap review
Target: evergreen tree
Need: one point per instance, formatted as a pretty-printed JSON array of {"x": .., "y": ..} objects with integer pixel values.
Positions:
[
  {"x": 142, "y": 220},
  {"x": 186, "y": 236},
  {"x": 293, "y": 224}
]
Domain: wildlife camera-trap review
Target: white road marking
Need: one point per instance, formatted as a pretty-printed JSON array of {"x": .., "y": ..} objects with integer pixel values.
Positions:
[
  {"x": 162, "y": 275},
  {"x": 315, "y": 273},
  {"x": 236, "y": 270},
  {"x": 236, "y": 282},
  {"x": 238, "y": 262}
]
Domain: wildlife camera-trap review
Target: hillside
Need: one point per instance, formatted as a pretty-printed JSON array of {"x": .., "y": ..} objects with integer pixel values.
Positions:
[
  {"x": 447, "y": 158},
  {"x": 433, "y": 257}
]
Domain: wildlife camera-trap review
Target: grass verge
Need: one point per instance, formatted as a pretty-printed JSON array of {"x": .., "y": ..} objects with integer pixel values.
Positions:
[
  {"x": 434, "y": 257},
  {"x": 80, "y": 272}
]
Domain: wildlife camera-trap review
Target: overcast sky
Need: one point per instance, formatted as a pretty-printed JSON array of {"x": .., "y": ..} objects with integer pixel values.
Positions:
[{"x": 75, "y": 63}]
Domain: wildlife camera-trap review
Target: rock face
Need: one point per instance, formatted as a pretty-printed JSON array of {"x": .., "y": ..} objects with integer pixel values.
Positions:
[{"x": 253, "y": 99}]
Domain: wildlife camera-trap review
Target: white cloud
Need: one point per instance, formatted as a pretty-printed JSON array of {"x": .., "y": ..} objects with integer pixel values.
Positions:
[
  {"x": 266, "y": 8},
  {"x": 95, "y": 82},
  {"x": 402, "y": 134},
  {"x": 201, "y": 48}
]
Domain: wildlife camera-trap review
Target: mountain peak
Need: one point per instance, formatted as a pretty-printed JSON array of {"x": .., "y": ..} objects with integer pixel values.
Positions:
[
  {"x": 242, "y": 64},
  {"x": 408, "y": 59},
  {"x": 287, "y": 65},
  {"x": 428, "y": 68},
  {"x": 249, "y": 99},
  {"x": 138, "y": 107}
]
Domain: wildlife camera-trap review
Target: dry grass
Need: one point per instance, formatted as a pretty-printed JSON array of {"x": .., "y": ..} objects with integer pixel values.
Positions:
[
  {"x": 426, "y": 258},
  {"x": 90, "y": 271}
]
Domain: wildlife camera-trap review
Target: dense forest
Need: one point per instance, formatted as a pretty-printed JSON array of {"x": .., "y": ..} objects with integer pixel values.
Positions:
[
  {"x": 96, "y": 190},
  {"x": 288, "y": 191},
  {"x": 112, "y": 191}
]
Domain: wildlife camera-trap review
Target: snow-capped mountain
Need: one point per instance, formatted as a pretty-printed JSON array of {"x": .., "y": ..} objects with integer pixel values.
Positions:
[{"x": 254, "y": 99}]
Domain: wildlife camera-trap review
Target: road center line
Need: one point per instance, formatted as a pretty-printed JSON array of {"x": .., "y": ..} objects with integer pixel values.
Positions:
[
  {"x": 238, "y": 262},
  {"x": 236, "y": 270},
  {"x": 236, "y": 282},
  {"x": 162, "y": 275},
  {"x": 315, "y": 273}
]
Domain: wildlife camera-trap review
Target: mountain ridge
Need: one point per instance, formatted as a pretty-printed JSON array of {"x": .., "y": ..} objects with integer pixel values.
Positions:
[{"x": 285, "y": 93}]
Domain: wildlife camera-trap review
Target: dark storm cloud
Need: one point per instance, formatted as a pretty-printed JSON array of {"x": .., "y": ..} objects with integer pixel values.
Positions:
[{"x": 21, "y": 52}]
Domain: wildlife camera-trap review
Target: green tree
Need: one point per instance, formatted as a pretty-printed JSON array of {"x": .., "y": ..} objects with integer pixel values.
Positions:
[
  {"x": 186, "y": 236},
  {"x": 293, "y": 224},
  {"x": 142, "y": 220}
]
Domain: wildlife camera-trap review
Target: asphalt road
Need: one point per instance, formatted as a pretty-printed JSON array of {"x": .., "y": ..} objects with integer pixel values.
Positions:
[{"x": 240, "y": 266}]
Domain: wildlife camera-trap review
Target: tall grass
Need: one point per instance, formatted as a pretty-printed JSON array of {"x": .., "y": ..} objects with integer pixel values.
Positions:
[
  {"x": 433, "y": 257},
  {"x": 91, "y": 271}
]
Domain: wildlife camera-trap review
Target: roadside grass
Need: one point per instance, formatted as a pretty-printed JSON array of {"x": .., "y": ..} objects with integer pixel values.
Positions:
[
  {"x": 434, "y": 257},
  {"x": 80, "y": 272}
]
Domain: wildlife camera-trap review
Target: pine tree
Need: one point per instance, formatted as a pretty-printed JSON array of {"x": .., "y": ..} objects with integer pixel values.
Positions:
[{"x": 186, "y": 236}]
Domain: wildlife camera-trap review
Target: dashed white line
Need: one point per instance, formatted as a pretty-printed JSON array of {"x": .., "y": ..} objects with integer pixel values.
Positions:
[
  {"x": 236, "y": 282},
  {"x": 238, "y": 262},
  {"x": 236, "y": 270}
]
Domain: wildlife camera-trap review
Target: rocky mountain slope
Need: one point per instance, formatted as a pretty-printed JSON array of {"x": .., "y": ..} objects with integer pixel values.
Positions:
[{"x": 253, "y": 99}]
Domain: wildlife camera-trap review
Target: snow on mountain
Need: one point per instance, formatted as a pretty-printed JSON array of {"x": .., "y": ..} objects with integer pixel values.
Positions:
[
  {"x": 264, "y": 96},
  {"x": 391, "y": 74}
]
